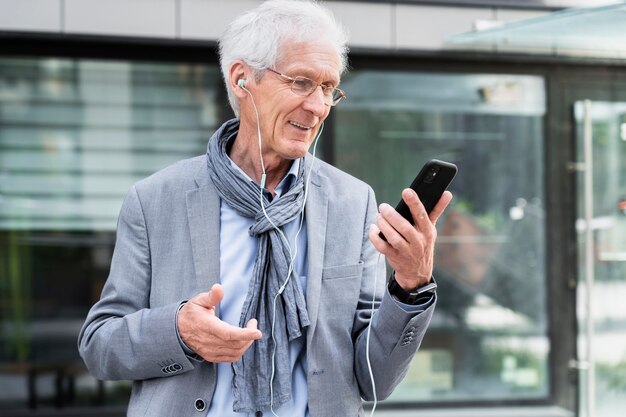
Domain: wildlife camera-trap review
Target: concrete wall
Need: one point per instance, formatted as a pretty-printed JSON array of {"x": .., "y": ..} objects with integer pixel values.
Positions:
[{"x": 372, "y": 25}]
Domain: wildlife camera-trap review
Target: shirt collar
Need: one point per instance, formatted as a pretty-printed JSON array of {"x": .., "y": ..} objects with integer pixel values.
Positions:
[{"x": 289, "y": 179}]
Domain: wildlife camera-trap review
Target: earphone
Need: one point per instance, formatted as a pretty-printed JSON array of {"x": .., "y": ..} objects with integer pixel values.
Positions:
[{"x": 242, "y": 83}]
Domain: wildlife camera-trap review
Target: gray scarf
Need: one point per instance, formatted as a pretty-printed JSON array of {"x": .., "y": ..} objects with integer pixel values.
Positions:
[{"x": 252, "y": 374}]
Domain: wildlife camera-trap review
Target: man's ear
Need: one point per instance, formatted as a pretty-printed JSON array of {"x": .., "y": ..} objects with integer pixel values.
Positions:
[{"x": 238, "y": 78}]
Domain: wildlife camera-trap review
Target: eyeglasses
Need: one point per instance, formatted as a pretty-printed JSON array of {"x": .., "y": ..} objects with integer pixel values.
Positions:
[{"x": 303, "y": 86}]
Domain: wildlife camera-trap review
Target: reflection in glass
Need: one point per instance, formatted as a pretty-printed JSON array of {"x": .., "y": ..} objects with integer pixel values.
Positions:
[
  {"x": 488, "y": 339},
  {"x": 74, "y": 136}
]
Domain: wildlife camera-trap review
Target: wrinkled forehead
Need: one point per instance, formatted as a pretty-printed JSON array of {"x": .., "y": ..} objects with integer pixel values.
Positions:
[{"x": 312, "y": 59}]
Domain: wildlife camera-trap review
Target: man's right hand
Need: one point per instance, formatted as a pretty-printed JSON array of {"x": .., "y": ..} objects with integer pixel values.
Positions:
[{"x": 207, "y": 335}]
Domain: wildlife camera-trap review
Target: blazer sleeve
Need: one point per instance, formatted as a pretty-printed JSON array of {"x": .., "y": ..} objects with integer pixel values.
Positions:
[
  {"x": 395, "y": 333},
  {"x": 123, "y": 337}
]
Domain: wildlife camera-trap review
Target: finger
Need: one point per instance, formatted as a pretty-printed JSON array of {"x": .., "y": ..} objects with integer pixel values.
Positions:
[
  {"x": 219, "y": 358},
  {"x": 209, "y": 299},
  {"x": 392, "y": 233},
  {"x": 418, "y": 212},
  {"x": 252, "y": 324},
  {"x": 223, "y": 358},
  {"x": 374, "y": 235},
  {"x": 223, "y": 354},
  {"x": 230, "y": 333},
  {"x": 441, "y": 205},
  {"x": 394, "y": 226}
]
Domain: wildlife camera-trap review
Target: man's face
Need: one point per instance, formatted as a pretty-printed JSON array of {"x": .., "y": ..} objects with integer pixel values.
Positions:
[{"x": 290, "y": 122}]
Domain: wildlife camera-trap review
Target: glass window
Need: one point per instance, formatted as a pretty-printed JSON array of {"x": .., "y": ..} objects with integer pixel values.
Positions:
[
  {"x": 74, "y": 136},
  {"x": 489, "y": 336}
]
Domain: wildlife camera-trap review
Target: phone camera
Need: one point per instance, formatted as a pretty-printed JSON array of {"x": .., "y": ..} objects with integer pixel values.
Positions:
[{"x": 432, "y": 173}]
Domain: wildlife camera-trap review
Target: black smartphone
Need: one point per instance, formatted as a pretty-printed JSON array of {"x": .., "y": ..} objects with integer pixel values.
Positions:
[{"x": 432, "y": 180}]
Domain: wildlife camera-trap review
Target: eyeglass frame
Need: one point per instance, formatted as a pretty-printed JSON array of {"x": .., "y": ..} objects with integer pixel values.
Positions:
[{"x": 342, "y": 94}]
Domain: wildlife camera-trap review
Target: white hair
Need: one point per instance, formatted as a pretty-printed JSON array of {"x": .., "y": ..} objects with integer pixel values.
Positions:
[{"x": 257, "y": 36}]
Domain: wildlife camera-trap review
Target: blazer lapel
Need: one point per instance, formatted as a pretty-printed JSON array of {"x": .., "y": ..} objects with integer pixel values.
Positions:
[
  {"x": 203, "y": 213},
  {"x": 316, "y": 212}
]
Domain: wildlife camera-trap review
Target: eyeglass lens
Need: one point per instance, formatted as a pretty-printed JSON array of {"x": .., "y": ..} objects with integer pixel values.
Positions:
[{"x": 305, "y": 86}]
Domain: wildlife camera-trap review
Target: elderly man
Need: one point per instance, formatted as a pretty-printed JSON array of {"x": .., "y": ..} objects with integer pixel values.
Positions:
[{"x": 243, "y": 281}]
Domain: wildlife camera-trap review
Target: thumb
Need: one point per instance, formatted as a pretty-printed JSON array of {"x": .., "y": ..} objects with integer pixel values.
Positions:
[{"x": 211, "y": 298}]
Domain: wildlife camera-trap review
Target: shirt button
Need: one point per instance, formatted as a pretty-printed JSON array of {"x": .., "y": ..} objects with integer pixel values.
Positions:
[
  {"x": 258, "y": 414},
  {"x": 200, "y": 405}
]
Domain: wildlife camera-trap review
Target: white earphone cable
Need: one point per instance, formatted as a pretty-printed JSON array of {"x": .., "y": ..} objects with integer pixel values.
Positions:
[{"x": 367, "y": 342}]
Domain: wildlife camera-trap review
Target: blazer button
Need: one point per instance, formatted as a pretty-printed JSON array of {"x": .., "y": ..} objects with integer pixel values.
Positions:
[
  {"x": 200, "y": 404},
  {"x": 258, "y": 414}
]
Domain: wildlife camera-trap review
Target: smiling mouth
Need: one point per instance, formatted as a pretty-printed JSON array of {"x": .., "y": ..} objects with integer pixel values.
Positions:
[{"x": 299, "y": 126}]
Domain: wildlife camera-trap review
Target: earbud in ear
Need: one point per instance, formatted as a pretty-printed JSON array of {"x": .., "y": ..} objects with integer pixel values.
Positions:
[{"x": 242, "y": 83}]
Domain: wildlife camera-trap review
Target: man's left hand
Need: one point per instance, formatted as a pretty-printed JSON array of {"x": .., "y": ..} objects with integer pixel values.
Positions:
[{"x": 409, "y": 249}]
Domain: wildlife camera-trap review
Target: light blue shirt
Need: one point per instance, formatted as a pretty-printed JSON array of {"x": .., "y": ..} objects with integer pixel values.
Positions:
[{"x": 238, "y": 252}]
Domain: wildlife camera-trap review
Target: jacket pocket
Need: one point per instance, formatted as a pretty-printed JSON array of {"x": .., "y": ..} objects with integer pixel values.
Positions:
[{"x": 343, "y": 271}]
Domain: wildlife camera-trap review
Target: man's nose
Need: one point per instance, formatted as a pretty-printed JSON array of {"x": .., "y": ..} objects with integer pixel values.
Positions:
[{"x": 316, "y": 102}]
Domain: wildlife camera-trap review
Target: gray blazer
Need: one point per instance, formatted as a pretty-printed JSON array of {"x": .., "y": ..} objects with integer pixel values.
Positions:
[{"x": 167, "y": 251}]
